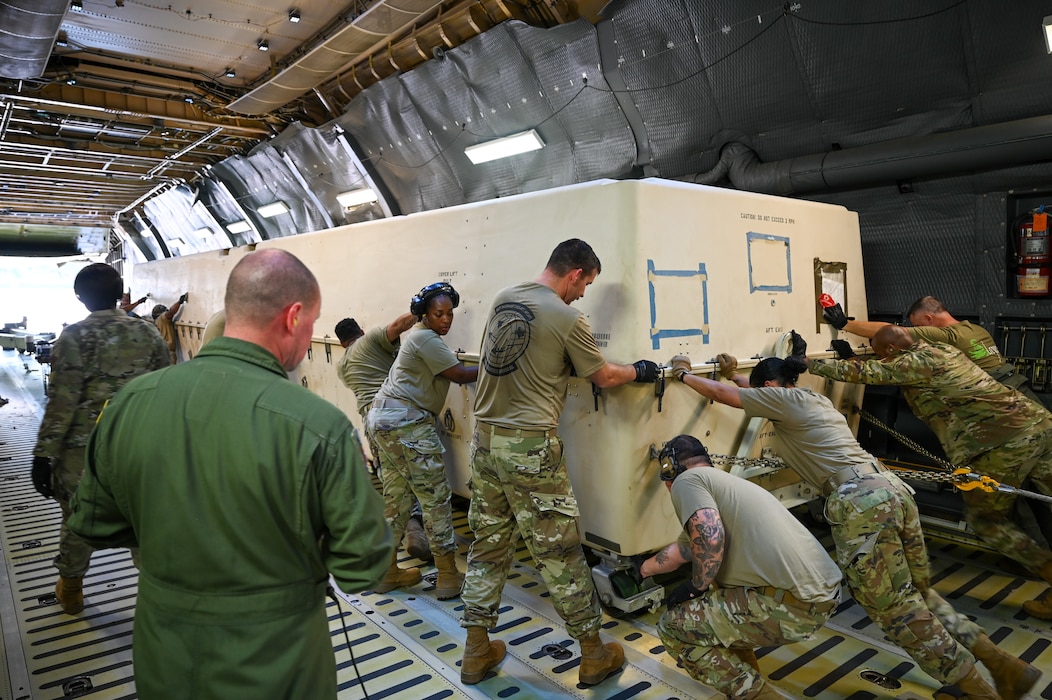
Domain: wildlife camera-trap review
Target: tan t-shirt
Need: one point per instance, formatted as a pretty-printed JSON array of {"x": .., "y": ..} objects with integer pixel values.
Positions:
[
  {"x": 974, "y": 341},
  {"x": 167, "y": 330},
  {"x": 533, "y": 339},
  {"x": 416, "y": 376},
  {"x": 365, "y": 365},
  {"x": 765, "y": 545},
  {"x": 810, "y": 435}
]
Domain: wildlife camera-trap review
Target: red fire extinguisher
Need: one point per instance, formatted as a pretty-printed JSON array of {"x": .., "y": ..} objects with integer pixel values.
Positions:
[{"x": 1033, "y": 257}]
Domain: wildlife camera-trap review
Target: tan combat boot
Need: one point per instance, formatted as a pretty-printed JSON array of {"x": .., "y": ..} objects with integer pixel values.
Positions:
[
  {"x": 973, "y": 686},
  {"x": 416, "y": 540},
  {"x": 748, "y": 656},
  {"x": 70, "y": 594},
  {"x": 396, "y": 578},
  {"x": 1013, "y": 677},
  {"x": 480, "y": 655},
  {"x": 765, "y": 692},
  {"x": 599, "y": 660},
  {"x": 1041, "y": 607},
  {"x": 450, "y": 580}
]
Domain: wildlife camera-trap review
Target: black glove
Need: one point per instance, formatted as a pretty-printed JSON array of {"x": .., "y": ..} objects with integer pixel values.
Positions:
[
  {"x": 41, "y": 476},
  {"x": 647, "y": 372},
  {"x": 835, "y": 316},
  {"x": 184, "y": 297},
  {"x": 681, "y": 594},
  {"x": 843, "y": 349},
  {"x": 799, "y": 345},
  {"x": 636, "y": 569}
]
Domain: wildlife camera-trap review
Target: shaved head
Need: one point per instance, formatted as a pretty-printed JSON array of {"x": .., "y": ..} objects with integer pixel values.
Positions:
[
  {"x": 889, "y": 339},
  {"x": 264, "y": 283}
]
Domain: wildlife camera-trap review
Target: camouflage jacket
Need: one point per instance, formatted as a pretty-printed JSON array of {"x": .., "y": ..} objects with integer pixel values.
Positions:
[
  {"x": 90, "y": 361},
  {"x": 969, "y": 411}
]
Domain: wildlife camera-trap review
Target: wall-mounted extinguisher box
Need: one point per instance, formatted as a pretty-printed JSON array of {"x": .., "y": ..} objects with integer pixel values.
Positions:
[{"x": 1029, "y": 253}]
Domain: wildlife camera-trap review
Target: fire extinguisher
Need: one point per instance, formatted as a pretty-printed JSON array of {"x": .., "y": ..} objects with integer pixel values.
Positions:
[{"x": 1033, "y": 257}]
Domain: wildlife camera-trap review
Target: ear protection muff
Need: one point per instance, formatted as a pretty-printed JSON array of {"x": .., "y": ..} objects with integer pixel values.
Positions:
[
  {"x": 670, "y": 466},
  {"x": 418, "y": 304}
]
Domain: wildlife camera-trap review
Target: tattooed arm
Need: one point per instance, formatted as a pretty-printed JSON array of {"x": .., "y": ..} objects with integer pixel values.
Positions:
[
  {"x": 707, "y": 541},
  {"x": 666, "y": 561}
]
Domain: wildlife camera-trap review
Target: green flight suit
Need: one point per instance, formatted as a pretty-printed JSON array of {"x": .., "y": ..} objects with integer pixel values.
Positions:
[{"x": 243, "y": 491}]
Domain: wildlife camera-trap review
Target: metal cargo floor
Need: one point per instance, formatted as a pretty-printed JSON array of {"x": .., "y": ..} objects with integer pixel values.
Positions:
[{"x": 407, "y": 644}]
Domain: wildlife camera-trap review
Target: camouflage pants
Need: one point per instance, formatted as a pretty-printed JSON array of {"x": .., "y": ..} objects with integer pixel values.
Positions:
[
  {"x": 880, "y": 548},
  {"x": 700, "y": 633},
  {"x": 411, "y": 452},
  {"x": 374, "y": 449},
  {"x": 1027, "y": 457},
  {"x": 74, "y": 554},
  {"x": 520, "y": 485}
]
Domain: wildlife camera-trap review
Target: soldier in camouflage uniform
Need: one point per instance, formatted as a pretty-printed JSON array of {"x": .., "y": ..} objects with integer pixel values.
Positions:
[
  {"x": 366, "y": 362},
  {"x": 90, "y": 361},
  {"x": 402, "y": 421},
  {"x": 934, "y": 324},
  {"x": 758, "y": 577},
  {"x": 981, "y": 424},
  {"x": 519, "y": 482},
  {"x": 875, "y": 525}
]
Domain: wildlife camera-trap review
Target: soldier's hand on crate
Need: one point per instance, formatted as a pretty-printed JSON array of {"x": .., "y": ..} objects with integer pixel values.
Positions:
[
  {"x": 834, "y": 316},
  {"x": 647, "y": 372},
  {"x": 728, "y": 365},
  {"x": 842, "y": 348},
  {"x": 680, "y": 366}
]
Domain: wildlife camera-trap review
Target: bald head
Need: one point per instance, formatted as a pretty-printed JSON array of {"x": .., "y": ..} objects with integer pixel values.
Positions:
[
  {"x": 266, "y": 282},
  {"x": 890, "y": 339}
]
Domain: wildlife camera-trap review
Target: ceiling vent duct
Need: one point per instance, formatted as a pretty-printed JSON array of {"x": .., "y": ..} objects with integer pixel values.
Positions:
[
  {"x": 363, "y": 35},
  {"x": 27, "y": 36}
]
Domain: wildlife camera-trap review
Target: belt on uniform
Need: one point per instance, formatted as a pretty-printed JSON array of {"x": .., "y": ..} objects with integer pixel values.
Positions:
[
  {"x": 783, "y": 596},
  {"x": 514, "y": 432},
  {"x": 848, "y": 474},
  {"x": 392, "y": 403}
]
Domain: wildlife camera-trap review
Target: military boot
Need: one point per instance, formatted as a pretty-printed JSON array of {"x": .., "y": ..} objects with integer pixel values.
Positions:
[
  {"x": 1041, "y": 607},
  {"x": 970, "y": 687},
  {"x": 450, "y": 580},
  {"x": 1013, "y": 677},
  {"x": 480, "y": 655},
  {"x": 70, "y": 594},
  {"x": 397, "y": 578},
  {"x": 765, "y": 692},
  {"x": 599, "y": 660},
  {"x": 416, "y": 540},
  {"x": 748, "y": 656}
]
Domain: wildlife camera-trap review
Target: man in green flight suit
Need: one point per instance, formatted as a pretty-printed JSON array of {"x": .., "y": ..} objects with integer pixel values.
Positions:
[{"x": 257, "y": 493}]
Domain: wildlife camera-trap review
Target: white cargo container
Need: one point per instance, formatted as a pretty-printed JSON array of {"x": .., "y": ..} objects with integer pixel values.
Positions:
[{"x": 687, "y": 269}]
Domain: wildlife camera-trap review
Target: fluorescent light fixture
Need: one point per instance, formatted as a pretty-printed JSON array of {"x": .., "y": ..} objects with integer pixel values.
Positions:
[
  {"x": 294, "y": 15},
  {"x": 203, "y": 232},
  {"x": 238, "y": 226},
  {"x": 356, "y": 197},
  {"x": 263, "y": 45},
  {"x": 504, "y": 147},
  {"x": 76, "y": 5},
  {"x": 272, "y": 209},
  {"x": 1046, "y": 24},
  {"x": 230, "y": 73}
]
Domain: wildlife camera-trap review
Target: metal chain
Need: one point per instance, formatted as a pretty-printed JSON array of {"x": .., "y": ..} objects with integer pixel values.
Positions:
[
  {"x": 961, "y": 477},
  {"x": 735, "y": 461},
  {"x": 913, "y": 445}
]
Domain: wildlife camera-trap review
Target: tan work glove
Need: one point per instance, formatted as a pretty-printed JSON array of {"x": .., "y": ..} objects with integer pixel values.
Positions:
[
  {"x": 680, "y": 366},
  {"x": 728, "y": 365}
]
